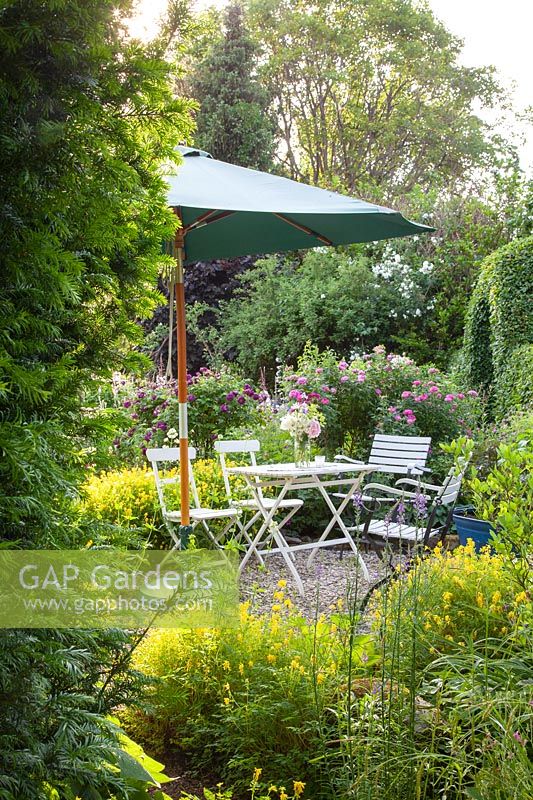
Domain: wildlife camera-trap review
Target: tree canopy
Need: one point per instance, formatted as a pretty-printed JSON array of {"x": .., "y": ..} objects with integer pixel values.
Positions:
[{"x": 369, "y": 94}]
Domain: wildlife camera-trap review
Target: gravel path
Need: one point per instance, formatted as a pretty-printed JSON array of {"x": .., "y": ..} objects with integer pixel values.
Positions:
[{"x": 328, "y": 580}]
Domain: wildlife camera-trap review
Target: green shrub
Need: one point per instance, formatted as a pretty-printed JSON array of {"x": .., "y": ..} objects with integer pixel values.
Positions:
[
  {"x": 514, "y": 390},
  {"x": 499, "y": 329}
]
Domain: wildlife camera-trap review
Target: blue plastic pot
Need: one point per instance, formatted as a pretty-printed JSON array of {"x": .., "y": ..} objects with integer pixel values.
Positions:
[{"x": 468, "y": 527}]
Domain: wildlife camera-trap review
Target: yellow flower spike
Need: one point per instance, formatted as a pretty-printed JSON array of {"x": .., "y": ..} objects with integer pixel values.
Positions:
[
  {"x": 250, "y": 663},
  {"x": 320, "y": 678},
  {"x": 282, "y": 584},
  {"x": 272, "y": 789},
  {"x": 271, "y": 658},
  {"x": 257, "y": 774},
  {"x": 241, "y": 668},
  {"x": 299, "y": 786},
  {"x": 279, "y": 595},
  {"x": 282, "y": 794},
  {"x": 521, "y": 597},
  {"x": 288, "y": 603},
  {"x": 496, "y": 597},
  {"x": 227, "y": 687},
  {"x": 447, "y": 597},
  {"x": 227, "y": 701},
  {"x": 276, "y": 607},
  {"x": 479, "y": 599},
  {"x": 227, "y": 666}
]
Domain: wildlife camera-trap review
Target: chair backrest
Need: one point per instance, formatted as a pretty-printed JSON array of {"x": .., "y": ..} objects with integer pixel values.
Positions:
[
  {"x": 400, "y": 454},
  {"x": 236, "y": 446},
  {"x": 451, "y": 487},
  {"x": 158, "y": 457},
  {"x": 446, "y": 496}
]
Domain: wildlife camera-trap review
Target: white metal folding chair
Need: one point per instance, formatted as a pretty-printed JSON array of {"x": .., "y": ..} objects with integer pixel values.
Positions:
[
  {"x": 290, "y": 505},
  {"x": 161, "y": 457},
  {"x": 399, "y": 455},
  {"x": 393, "y": 529}
]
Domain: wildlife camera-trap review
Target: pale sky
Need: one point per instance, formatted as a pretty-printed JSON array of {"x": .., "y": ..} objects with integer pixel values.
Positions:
[{"x": 494, "y": 32}]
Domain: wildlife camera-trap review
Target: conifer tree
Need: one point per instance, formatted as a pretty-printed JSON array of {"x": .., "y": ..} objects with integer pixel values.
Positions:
[{"x": 233, "y": 123}]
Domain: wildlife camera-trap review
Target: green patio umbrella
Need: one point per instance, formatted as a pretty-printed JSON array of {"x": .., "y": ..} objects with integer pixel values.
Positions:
[{"x": 228, "y": 211}]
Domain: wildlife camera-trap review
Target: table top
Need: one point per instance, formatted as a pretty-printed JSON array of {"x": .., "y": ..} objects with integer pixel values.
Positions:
[{"x": 292, "y": 471}]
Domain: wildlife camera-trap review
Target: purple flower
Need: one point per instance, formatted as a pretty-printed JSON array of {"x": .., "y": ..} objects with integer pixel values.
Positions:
[
  {"x": 333, "y": 390},
  {"x": 301, "y": 380},
  {"x": 411, "y": 420},
  {"x": 344, "y": 378},
  {"x": 433, "y": 389},
  {"x": 230, "y": 396},
  {"x": 294, "y": 394},
  {"x": 127, "y": 403},
  {"x": 116, "y": 442},
  {"x": 161, "y": 425},
  {"x": 400, "y": 512},
  {"x": 134, "y": 416},
  {"x": 357, "y": 501},
  {"x": 397, "y": 417},
  {"x": 191, "y": 398},
  {"x": 472, "y": 393},
  {"x": 379, "y": 392},
  {"x": 518, "y": 738},
  {"x": 417, "y": 383},
  {"x": 408, "y": 412},
  {"x": 224, "y": 408},
  {"x": 420, "y": 505},
  {"x": 141, "y": 394},
  {"x": 343, "y": 365},
  {"x": 255, "y": 396},
  {"x": 432, "y": 371},
  {"x": 361, "y": 376},
  {"x": 241, "y": 400},
  {"x": 319, "y": 370},
  {"x": 143, "y": 450},
  {"x": 449, "y": 398},
  {"x": 392, "y": 409},
  {"x": 325, "y": 401},
  {"x": 405, "y": 395},
  {"x": 131, "y": 431},
  {"x": 147, "y": 436}
]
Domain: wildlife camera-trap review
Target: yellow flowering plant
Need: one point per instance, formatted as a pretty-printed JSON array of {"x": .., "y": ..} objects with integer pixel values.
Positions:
[
  {"x": 448, "y": 600},
  {"x": 263, "y": 687}
]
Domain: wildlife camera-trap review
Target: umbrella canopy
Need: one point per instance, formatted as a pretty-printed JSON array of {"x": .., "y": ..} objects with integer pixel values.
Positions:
[{"x": 228, "y": 211}]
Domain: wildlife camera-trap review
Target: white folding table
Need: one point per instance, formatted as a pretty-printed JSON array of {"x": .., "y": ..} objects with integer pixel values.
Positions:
[{"x": 289, "y": 478}]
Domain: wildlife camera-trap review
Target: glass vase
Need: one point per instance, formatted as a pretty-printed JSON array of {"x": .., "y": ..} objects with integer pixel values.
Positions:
[{"x": 302, "y": 451}]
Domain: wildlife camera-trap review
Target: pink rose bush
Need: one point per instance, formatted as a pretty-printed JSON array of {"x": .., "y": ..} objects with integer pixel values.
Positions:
[{"x": 379, "y": 391}]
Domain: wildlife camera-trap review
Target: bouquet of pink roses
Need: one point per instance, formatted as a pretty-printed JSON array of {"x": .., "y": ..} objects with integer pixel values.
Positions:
[{"x": 299, "y": 422}]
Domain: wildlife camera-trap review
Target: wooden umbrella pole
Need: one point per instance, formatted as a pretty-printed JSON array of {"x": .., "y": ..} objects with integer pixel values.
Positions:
[{"x": 181, "y": 344}]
